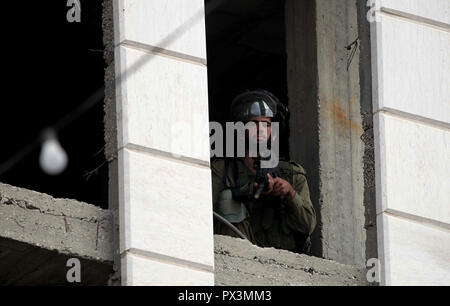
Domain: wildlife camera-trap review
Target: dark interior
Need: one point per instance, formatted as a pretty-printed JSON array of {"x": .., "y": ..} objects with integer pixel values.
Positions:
[
  {"x": 245, "y": 49},
  {"x": 52, "y": 67}
]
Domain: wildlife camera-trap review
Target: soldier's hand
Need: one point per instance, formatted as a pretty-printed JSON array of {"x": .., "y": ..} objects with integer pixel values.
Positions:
[
  {"x": 282, "y": 188},
  {"x": 269, "y": 188}
]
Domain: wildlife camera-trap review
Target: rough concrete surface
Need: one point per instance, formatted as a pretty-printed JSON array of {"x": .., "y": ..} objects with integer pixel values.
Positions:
[
  {"x": 110, "y": 101},
  {"x": 365, "y": 75},
  {"x": 110, "y": 122},
  {"x": 340, "y": 129},
  {"x": 62, "y": 225},
  {"x": 24, "y": 264},
  {"x": 240, "y": 263},
  {"x": 329, "y": 80}
]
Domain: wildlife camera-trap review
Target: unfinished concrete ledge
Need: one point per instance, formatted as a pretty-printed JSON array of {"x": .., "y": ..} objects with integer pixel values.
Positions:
[
  {"x": 37, "y": 230},
  {"x": 240, "y": 263},
  {"x": 39, "y": 233}
]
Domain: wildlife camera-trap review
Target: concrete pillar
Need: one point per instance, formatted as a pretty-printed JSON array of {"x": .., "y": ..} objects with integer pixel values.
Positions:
[
  {"x": 326, "y": 121},
  {"x": 166, "y": 223},
  {"x": 341, "y": 148},
  {"x": 411, "y": 64}
]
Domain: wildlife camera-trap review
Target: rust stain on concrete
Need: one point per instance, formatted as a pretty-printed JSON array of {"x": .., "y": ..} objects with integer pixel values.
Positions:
[{"x": 338, "y": 115}]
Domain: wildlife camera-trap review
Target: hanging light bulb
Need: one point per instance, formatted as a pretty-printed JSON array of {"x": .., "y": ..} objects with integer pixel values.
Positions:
[{"x": 53, "y": 159}]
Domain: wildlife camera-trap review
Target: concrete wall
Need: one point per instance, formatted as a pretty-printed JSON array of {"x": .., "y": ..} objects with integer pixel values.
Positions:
[
  {"x": 110, "y": 122},
  {"x": 63, "y": 225},
  {"x": 166, "y": 223},
  {"x": 240, "y": 263},
  {"x": 301, "y": 47},
  {"x": 39, "y": 233},
  {"x": 329, "y": 134},
  {"x": 411, "y": 65},
  {"x": 365, "y": 83},
  {"x": 341, "y": 148}
]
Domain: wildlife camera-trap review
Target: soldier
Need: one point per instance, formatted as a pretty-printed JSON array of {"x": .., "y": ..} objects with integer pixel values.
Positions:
[{"x": 283, "y": 217}]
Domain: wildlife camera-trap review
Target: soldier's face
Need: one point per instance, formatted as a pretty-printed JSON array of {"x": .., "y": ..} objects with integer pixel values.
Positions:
[{"x": 260, "y": 132}]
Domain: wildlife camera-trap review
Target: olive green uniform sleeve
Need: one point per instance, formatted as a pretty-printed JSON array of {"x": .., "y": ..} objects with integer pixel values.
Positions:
[{"x": 301, "y": 215}]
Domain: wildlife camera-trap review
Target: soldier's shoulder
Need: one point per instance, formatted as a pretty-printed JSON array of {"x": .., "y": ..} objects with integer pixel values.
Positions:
[
  {"x": 291, "y": 164},
  {"x": 218, "y": 164},
  {"x": 217, "y": 167},
  {"x": 297, "y": 167},
  {"x": 217, "y": 160}
]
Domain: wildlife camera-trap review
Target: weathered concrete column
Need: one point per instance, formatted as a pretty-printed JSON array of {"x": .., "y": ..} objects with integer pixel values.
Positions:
[
  {"x": 341, "y": 148},
  {"x": 411, "y": 65},
  {"x": 166, "y": 222},
  {"x": 326, "y": 121}
]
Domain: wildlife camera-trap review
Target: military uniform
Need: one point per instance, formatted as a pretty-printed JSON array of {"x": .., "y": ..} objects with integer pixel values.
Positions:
[{"x": 268, "y": 221}]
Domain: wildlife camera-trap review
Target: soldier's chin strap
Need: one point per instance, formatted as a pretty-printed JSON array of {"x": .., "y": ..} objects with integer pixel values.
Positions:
[{"x": 231, "y": 226}]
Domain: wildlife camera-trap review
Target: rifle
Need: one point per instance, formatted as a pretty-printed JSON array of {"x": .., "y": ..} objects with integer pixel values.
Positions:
[{"x": 261, "y": 177}]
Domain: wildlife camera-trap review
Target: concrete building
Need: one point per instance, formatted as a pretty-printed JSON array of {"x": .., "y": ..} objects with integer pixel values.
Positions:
[{"x": 368, "y": 91}]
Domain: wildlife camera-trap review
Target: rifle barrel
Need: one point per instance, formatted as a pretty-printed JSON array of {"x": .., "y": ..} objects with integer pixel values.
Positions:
[{"x": 259, "y": 191}]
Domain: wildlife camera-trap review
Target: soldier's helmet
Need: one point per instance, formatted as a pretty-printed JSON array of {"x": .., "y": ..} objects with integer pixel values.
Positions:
[{"x": 258, "y": 103}]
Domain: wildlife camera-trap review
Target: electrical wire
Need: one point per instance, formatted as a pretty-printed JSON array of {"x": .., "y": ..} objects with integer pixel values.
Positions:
[{"x": 231, "y": 226}]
